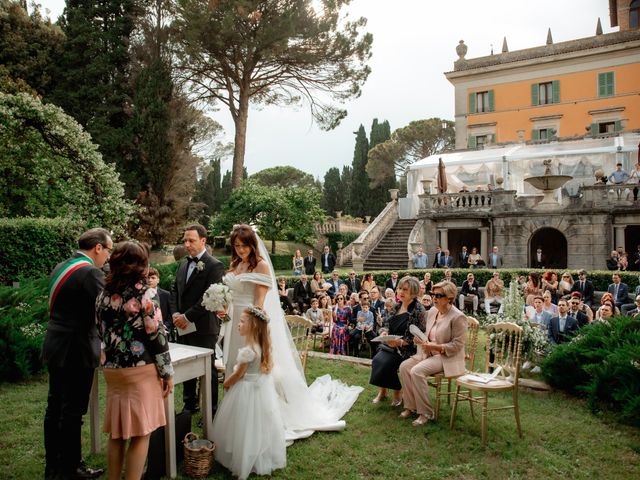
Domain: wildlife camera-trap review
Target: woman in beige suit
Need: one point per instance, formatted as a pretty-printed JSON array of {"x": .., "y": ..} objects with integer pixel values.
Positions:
[{"x": 442, "y": 352}]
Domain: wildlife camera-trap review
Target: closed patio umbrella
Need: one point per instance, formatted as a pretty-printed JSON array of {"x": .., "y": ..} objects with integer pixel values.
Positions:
[{"x": 442, "y": 178}]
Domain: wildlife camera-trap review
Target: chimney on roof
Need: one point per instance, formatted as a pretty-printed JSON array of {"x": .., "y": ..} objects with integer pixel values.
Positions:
[
  {"x": 505, "y": 48},
  {"x": 599, "y": 27},
  {"x": 549, "y": 37}
]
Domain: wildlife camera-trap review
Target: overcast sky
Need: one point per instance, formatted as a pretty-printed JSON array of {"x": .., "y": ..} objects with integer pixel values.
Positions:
[{"x": 413, "y": 44}]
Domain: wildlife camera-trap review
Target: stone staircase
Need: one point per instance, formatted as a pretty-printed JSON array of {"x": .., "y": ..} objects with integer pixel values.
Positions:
[{"x": 391, "y": 251}]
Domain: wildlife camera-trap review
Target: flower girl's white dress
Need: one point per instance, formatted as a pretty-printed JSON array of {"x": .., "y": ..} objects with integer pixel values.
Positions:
[{"x": 248, "y": 430}]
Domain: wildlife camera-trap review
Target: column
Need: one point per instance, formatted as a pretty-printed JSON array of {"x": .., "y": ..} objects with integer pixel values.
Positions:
[
  {"x": 619, "y": 237},
  {"x": 484, "y": 245},
  {"x": 444, "y": 238}
]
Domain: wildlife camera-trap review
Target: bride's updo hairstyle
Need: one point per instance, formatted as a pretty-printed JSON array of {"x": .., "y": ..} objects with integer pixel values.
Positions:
[{"x": 245, "y": 235}]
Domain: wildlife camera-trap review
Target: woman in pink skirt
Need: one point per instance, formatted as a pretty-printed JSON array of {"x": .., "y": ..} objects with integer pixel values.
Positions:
[{"x": 135, "y": 358}]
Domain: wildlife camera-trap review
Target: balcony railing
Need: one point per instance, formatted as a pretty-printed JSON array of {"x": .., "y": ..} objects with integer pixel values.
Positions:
[{"x": 463, "y": 201}]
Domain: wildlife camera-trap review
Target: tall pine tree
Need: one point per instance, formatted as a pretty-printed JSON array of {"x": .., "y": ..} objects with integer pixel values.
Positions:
[
  {"x": 359, "y": 192},
  {"x": 332, "y": 192},
  {"x": 380, "y": 132},
  {"x": 91, "y": 81},
  {"x": 346, "y": 180}
]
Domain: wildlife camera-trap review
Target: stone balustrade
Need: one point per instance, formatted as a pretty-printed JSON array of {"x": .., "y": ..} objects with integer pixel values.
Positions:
[
  {"x": 607, "y": 195},
  {"x": 466, "y": 201},
  {"x": 362, "y": 246},
  {"x": 341, "y": 224}
]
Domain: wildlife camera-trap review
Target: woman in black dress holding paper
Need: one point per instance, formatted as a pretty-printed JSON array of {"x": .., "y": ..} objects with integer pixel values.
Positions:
[{"x": 408, "y": 311}]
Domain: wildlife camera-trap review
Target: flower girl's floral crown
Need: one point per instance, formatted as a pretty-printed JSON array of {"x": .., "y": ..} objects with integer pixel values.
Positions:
[{"x": 258, "y": 312}]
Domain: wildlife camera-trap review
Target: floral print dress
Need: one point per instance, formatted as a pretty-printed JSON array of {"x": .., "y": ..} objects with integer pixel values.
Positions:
[
  {"x": 131, "y": 330},
  {"x": 340, "y": 332}
]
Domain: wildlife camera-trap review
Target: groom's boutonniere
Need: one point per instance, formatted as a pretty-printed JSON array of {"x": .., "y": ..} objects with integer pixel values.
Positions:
[{"x": 200, "y": 266}]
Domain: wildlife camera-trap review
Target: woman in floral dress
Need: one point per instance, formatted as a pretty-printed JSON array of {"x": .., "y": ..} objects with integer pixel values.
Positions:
[{"x": 340, "y": 332}]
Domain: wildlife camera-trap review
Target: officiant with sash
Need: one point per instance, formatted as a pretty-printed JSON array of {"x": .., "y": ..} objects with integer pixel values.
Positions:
[
  {"x": 384, "y": 368},
  {"x": 71, "y": 351},
  {"x": 194, "y": 275},
  {"x": 442, "y": 351}
]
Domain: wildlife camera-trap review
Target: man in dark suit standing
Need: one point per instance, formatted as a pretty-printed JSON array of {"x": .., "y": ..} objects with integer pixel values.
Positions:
[
  {"x": 195, "y": 274},
  {"x": 539, "y": 260},
  {"x": 585, "y": 287},
  {"x": 436, "y": 257},
  {"x": 392, "y": 283},
  {"x": 309, "y": 263},
  {"x": 446, "y": 261},
  {"x": 353, "y": 282},
  {"x": 71, "y": 350},
  {"x": 564, "y": 326},
  {"x": 619, "y": 290},
  {"x": 327, "y": 260},
  {"x": 463, "y": 258}
]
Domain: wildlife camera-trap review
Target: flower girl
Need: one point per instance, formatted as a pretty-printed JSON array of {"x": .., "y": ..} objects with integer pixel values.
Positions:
[{"x": 248, "y": 429}]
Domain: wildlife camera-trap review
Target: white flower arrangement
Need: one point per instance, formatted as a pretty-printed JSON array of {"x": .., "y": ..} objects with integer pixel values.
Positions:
[
  {"x": 200, "y": 266},
  {"x": 216, "y": 298}
]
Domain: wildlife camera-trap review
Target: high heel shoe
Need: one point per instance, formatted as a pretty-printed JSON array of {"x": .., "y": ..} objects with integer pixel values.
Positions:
[
  {"x": 421, "y": 420},
  {"x": 396, "y": 403},
  {"x": 406, "y": 413},
  {"x": 379, "y": 399}
]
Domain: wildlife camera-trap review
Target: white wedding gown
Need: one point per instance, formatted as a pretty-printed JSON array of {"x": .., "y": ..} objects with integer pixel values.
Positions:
[{"x": 304, "y": 409}]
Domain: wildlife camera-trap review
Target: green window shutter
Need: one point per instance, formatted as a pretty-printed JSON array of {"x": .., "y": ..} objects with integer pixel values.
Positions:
[
  {"x": 618, "y": 126},
  {"x": 535, "y": 134},
  {"x": 492, "y": 139},
  {"x": 602, "y": 84},
  {"x": 534, "y": 94},
  {"x": 472, "y": 103},
  {"x": 555, "y": 87},
  {"x": 594, "y": 130},
  {"x": 610, "y": 87},
  {"x": 472, "y": 141},
  {"x": 491, "y": 101}
]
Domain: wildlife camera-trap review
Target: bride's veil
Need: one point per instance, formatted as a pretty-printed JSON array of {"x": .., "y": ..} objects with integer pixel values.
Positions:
[{"x": 304, "y": 409}]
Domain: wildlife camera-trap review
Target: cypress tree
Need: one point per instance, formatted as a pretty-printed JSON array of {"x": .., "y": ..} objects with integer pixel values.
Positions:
[
  {"x": 359, "y": 194},
  {"x": 346, "y": 178},
  {"x": 380, "y": 132},
  {"x": 332, "y": 192}
]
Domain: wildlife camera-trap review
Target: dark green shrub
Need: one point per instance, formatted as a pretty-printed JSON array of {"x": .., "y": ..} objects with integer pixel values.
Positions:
[
  {"x": 602, "y": 364},
  {"x": 31, "y": 247},
  {"x": 345, "y": 237}
]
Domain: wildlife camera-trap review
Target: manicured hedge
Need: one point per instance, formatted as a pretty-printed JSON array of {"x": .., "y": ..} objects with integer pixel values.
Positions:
[
  {"x": 31, "y": 247},
  {"x": 345, "y": 237},
  {"x": 602, "y": 364}
]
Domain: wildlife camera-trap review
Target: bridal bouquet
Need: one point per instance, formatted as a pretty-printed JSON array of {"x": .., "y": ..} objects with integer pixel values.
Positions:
[{"x": 216, "y": 299}]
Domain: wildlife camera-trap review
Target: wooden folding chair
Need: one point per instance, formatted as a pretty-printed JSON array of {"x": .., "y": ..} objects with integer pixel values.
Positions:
[
  {"x": 301, "y": 333},
  {"x": 506, "y": 346}
]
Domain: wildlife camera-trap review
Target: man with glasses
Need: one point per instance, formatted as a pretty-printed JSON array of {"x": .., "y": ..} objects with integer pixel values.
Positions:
[
  {"x": 584, "y": 287},
  {"x": 71, "y": 351},
  {"x": 470, "y": 290},
  {"x": 353, "y": 282},
  {"x": 309, "y": 263},
  {"x": 493, "y": 293},
  {"x": 335, "y": 284},
  {"x": 575, "y": 311}
]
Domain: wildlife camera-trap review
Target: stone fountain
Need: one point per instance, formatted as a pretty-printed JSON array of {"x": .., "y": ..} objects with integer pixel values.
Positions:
[{"x": 548, "y": 183}]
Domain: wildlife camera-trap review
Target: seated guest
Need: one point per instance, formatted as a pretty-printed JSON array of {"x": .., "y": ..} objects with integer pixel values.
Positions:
[
  {"x": 426, "y": 281},
  {"x": 377, "y": 304},
  {"x": 389, "y": 293},
  {"x": 285, "y": 301},
  {"x": 565, "y": 285},
  {"x": 607, "y": 298},
  {"x": 532, "y": 288},
  {"x": 318, "y": 285},
  {"x": 613, "y": 262},
  {"x": 387, "y": 360},
  {"x": 302, "y": 292},
  {"x": 324, "y": 304},
  {"x": 340, "y": 330},
  {"x": 382, "y": 321},
  {"x": 443, "y": 352},
  {"x": 335, "y": 283},
  {"x": 423, "y": 290},
  {"x": 368, "y": 282},
  {"x": 536, "y": 314},
  {"x": 364, "y": 326},
  {"x": 427, "y": 301},
  {"x": 353, "y": 282},
  {"x": 619, "y": 290},
  {"x": 420, "y": 259},
  {"x": 474, "y": 258},
  {"x": 575, "y": 312},
  {"x": 605, "y": 312},
  {"x": 585, "y": 287},
  {"x": 315, "y": 315},
  {"x": 470, "y": 290},
  {"x": 448, "y": 276},
  {"x": 563, "y": 326},
  {"x": 550, "y": 284},
  {"x": 493, "y": 293},
  {"x": 630, "y": 306},
  {"x": 153, "y": 279},
  {"x": 548, "y": 305},
  {"x": 636, "y": 311}
]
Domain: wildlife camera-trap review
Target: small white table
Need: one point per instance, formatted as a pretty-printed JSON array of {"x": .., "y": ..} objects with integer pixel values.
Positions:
[{"x": 188, "y": 362}]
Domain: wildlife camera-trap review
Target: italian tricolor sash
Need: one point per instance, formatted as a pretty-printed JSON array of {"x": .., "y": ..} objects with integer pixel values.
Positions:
[{"x": 63, "y": 274}]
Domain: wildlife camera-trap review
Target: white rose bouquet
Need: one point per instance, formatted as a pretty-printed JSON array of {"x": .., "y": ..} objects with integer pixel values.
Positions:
[{"x": 216, "y": 299}]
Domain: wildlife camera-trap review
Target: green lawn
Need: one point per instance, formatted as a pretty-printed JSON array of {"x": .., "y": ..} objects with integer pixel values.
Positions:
[{"x": 561, "y": 440}]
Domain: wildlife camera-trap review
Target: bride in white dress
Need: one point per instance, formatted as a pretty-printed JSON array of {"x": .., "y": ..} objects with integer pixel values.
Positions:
[{"x": 304, "y": 409}]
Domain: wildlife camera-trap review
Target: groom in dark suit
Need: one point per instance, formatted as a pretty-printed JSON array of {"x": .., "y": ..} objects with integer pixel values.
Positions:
[
  {"x": 195, "y": 274},
  {"x": 71, "y": 351}
]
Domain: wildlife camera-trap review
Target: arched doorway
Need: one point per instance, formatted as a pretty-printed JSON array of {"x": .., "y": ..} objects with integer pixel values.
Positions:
[{"x": 554, "y": 247}]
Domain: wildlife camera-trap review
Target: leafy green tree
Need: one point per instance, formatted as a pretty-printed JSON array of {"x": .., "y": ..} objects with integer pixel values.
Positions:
[
  {"x": 271, "y": 52},
  {"x": 346, "y": 178},
  {"x": 332, "y": 192},
  {"x": 209, "y": 191},
  {"x": 379, "y": 197},
  {"x": 50, "y": 168},
  {"x": 279, "y": 213},
  {"x": 92, "y": 81},
  {"x": 359, "y": 193},
  {"x": 416, "y": 141},
  {"x": 284, "y": 176},
  {"x": 28, "y": 46}
]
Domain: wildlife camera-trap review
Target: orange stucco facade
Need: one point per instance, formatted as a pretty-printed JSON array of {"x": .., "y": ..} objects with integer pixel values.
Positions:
[{"x": 579, "y": 106}]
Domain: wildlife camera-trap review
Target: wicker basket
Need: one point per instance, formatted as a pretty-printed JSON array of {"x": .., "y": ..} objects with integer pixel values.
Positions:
[{"x": 198, "y": 455}]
